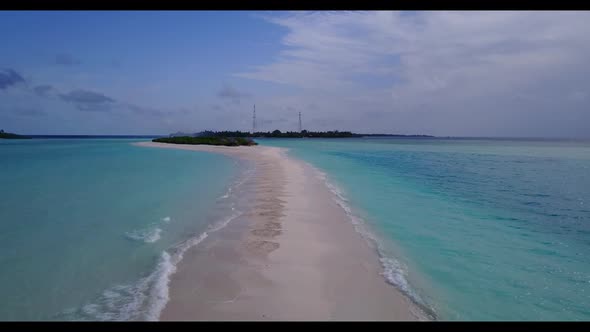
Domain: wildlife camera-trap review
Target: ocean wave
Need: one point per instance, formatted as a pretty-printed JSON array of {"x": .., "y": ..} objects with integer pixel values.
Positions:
[
  {"x": 236, "y": 184},
  {"x": 145, "y": 299},
  {"x": 394, "y": 272},
  {"x": 149, "y": 235}
]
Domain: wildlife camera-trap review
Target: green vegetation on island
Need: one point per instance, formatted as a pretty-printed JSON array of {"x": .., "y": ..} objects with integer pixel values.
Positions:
[
  {"x": 211, "y": 140},
  {"x": 6, "y": 135},
  {"x": 279, "y": 134},
  {"x": 237, "y": 138},
  {"x": 291, "y": 134}
]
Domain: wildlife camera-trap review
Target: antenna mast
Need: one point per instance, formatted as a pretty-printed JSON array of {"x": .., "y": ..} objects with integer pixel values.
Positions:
[
  {"x": 254, "y": 120},
  {"x": 300, "y": 128}
]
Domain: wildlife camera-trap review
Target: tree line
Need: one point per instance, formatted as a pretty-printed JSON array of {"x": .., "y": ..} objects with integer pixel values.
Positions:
[{"x": 278, "y": 134}]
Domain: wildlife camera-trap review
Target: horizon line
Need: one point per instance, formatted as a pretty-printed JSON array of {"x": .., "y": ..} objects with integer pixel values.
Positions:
[{"x": 374, "y": 134}]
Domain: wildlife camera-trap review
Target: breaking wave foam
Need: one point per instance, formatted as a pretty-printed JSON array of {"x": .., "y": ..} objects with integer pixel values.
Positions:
[
  {"x": 247, "y": 174},
  {"x": 394, "y": 271},
  {"x": 149, "y": 235},
  {"x": 145, "y": 299}
]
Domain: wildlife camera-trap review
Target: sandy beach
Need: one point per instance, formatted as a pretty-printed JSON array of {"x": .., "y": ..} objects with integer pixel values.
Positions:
[{"x": 293, "y": 255}]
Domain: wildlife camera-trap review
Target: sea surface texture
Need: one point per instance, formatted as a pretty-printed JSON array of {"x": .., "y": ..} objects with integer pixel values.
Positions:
[
  {"x": 91, "y": 229},
  {"x": 471, "y": 229}
]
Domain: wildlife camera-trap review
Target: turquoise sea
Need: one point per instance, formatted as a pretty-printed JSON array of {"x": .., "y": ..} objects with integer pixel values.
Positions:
[
  {"x": 471, "y": 229},
  {"x": 91, "y": 229}
]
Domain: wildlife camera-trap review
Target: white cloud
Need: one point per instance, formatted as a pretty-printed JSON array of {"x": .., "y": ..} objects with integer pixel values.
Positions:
[{"x": 435, "y": 69}]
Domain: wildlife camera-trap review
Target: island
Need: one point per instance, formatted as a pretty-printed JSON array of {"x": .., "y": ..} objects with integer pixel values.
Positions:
[
  {"x": 278, "y": 134},
  {"x": 209, "y": 140},
  {"x": 291, "y": 134},
  {"x": 7, "y": 135},
  {"x": 239, "y": 138}
]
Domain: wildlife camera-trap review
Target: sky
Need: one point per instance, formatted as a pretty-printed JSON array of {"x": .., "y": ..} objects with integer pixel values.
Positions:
[{"x": 443, "y": 73}]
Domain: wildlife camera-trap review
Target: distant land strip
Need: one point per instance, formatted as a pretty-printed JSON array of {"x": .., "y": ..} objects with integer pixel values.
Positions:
[{"x": 288, "y": 134}]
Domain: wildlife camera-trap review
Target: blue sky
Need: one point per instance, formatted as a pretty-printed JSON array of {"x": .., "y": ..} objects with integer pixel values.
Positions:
[{"x": 154, "y": 72}]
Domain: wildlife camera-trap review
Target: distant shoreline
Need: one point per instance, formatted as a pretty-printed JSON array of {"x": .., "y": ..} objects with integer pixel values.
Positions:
[
  {"x": 161, "y": 136},
  {"x": 95, "y": 136},
  {"x": 7, "y": 135},
  {"x": 288, "y": 134},
  {"x": 392, "y": 136}
]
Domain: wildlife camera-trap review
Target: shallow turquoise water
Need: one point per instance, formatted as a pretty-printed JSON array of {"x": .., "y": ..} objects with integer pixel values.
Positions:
[
  {"x": 472, "y": 229},
  {"x": 89, "y": 227}
]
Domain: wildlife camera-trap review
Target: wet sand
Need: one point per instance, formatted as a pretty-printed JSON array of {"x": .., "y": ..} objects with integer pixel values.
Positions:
[{"x": 292, "y": 255}]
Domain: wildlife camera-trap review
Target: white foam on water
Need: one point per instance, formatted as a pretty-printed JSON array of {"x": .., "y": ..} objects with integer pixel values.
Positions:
[
  {"x": 227, "y": 193},
  {"x": 148, "y": 235},
  {"x": 159, "y": 292},
  {"x": 394, "y": 271},
  {"x": 145, "y": 299},
  {"x": 231, "y": 189},
  {"x": 140, "y": 301}
]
